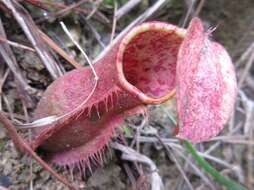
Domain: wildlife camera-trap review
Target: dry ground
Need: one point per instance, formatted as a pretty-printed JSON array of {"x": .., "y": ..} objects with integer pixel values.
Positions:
[{"x": 231, "y": 153}]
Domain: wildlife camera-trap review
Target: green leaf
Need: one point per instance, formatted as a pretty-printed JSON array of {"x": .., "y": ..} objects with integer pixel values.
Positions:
[{"x": 127, "y": 132}]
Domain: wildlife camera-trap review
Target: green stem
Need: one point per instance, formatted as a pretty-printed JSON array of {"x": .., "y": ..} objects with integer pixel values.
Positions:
[{"x": 227, "y": 182}]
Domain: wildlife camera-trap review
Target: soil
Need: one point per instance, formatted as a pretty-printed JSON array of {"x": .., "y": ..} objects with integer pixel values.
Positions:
[{"x": 234, "y": 28}]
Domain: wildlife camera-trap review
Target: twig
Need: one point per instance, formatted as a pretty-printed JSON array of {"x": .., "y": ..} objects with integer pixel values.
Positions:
[{"x": 131, "y": 155}]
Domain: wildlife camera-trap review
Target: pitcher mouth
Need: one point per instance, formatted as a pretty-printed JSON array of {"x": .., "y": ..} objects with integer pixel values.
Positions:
[{"x": 146, "y": 61}]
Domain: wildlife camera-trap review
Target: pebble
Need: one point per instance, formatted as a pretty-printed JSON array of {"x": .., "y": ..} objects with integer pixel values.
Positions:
[{"x": 5, "y": 181}]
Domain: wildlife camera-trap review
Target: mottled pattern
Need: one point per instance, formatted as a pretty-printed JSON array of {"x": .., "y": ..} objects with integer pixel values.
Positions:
[
  {"x": 228, "y": 80},
  {"x": 88, "y": 131},
  {"x": 150, "y": 62},
  {"x": 78, "y": 138},
  {"x": 202, "y": 86}
]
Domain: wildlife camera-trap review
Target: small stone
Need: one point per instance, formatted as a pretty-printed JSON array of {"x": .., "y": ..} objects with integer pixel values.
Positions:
[
  {"x": 5, "y": 181},
  {"x": 45, "y": 175}
]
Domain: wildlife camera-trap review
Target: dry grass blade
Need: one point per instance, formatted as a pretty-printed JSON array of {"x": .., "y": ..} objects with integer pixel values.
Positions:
[
  {"x": 32, "y": 33},
  {"x": 113, "y": 23},
  {"x": 2, "y": 81},
  {"x": 248, "y": 131},
  {"x": 96, "y": 6},
  {"x": 215, "y": 145},
  {"x": 3, "y": 78},
  {"x": 96, "y": 33},
  {"x": 137, "y": 134},
  {"x": 245, "y": 55},
  {"x": 30, "y": 139},
  {"x": 47, "y": 4},
  {"x": 15, "y": 44},
  {"x": 147, "y": 14},
  {"x": 96, "y": 77},
  {"x": 9, "y": 58},
  {"x": 190, "y": 4},
  {"x": 126, "y": 8},
  {"x": 199, "y": 7},
  {"x": 54, "y": 118},
  {"x": 131, "y": 155},
  {"x": 130, "y": 175},
  {"x": 250, "y": 82},
  {"x": 209, "y": 169},
  {"x": 178, "y": 165},
  {"x": 8, "y": 107},
  {"x": 191, "y": 10},
  {"x": 234, "y": 139},
  {"x": 195, "y": 168},
  {"x": 67, "y": 9},
  {"x": 173, "y": 143},
  {"x": 59, "y": 50},
  {"x": 246, "y": 70}
]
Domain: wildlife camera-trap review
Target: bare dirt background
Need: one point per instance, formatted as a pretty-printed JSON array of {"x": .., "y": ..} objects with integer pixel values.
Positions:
[{"x": 231, "y": 152}]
